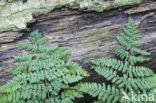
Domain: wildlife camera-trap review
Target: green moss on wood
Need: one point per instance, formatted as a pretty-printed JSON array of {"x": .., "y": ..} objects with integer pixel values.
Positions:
[{"x": 15, "y": 16}]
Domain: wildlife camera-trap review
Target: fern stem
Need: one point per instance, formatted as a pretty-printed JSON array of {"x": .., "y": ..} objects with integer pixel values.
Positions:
[
  {"x": 46, "y": 85},
  {"x": 127, "y": 80}
]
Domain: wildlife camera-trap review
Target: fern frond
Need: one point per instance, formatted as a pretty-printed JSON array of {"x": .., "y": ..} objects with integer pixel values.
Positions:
[
  {"x": 140, "y": 71},
  {"x": 35, "y": 65},
  {"x": 124, "y": 41},
  {"x": 43, "y": 76},
  {"x": 109, "y": 63},
  {"x": 34, "y": 36},
  {"x": 40, "y": 48},
  {"x": 123, "y": 74},
  {"x": 13, "y": 84},
  {"x": 138, "y": 59},
  {"x": 111, "y": 75},
  {"x": 42, "y": 40},
  {"x": 105, "y": 93},
  {"x": 71, "y": 95},
  {"x": 29, "y": 47},
  {"x": 29, "y": 57},
  {"x": 135, "y": 51},
  {"x": 74, "y": 68},
  {"x": 120, "y": 52},
  {"x": 71, "y": 78}
]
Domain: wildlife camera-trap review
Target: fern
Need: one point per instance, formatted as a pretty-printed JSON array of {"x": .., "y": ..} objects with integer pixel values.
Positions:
[
  {"x": 124, "y": 74},
  {"x": 42, "y": 76}
]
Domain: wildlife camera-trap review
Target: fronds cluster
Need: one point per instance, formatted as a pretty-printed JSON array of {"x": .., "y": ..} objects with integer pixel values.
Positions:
[
  {"x": 42, "y": 76},
  {"x": 124, "y": 74}
]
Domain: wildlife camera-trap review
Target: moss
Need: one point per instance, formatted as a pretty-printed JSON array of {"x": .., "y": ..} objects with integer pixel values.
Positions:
[
  {"x": 16, "y": 15},
  {"x": 99, "y": 6},
  {"x": 2, "y": 3}
]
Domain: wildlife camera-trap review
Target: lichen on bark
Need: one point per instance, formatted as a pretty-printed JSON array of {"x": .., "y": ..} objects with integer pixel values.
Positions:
[{"x": 16, "y": 15}]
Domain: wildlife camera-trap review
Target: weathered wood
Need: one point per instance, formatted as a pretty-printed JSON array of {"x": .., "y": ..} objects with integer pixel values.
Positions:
[
  {"x": 88, "y": 35},
  {"x": 16, "y": 15}
]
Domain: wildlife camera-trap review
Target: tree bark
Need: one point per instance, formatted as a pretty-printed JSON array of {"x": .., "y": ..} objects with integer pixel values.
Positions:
[{"x": 88, "y": 35}]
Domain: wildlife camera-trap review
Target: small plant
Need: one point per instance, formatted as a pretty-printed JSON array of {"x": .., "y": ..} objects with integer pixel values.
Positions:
[
  {"x": 124, "y": 74},
  {"x": 42, "y": 76}
]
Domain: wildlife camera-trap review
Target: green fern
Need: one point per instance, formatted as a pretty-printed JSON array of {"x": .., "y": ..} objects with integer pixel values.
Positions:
[
  {"x": 124, "y": 74},
  {"x": 42, "y": 76}
]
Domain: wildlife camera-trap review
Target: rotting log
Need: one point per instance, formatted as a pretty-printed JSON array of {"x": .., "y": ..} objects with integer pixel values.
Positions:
[{"x": 87, "y": 34}]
